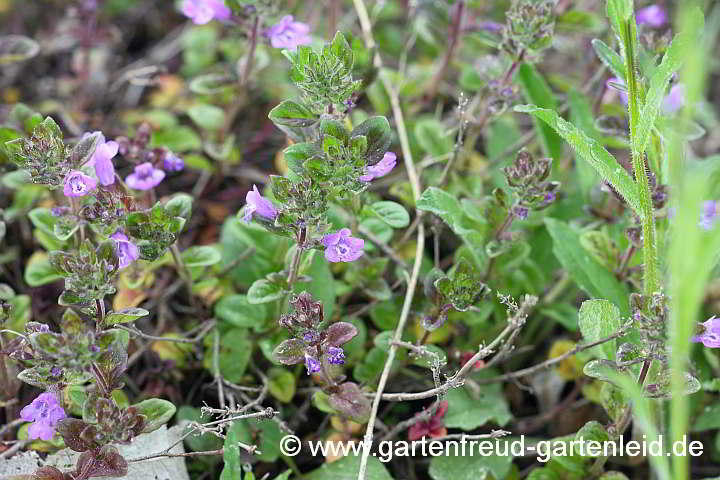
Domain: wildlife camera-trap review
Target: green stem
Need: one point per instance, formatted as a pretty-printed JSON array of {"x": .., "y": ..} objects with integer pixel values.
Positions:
[{"x": 651, "y": 282}]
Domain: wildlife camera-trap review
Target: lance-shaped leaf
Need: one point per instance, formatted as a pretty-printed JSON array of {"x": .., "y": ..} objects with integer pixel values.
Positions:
[{"x": 591, "y": 151}]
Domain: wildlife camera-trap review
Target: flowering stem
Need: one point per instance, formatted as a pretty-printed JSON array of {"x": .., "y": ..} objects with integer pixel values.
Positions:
[
  {"x": 251, "y": 54},
  {"x": 297, "y": 256},
  {"x": 182, "y": 269}
]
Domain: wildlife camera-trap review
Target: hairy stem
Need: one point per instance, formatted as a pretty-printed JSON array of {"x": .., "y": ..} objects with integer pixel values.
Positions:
[{"x": 651, "y": 284}]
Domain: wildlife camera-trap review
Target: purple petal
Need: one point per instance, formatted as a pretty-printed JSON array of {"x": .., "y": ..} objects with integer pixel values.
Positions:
[{"x": 654, "y": 16}]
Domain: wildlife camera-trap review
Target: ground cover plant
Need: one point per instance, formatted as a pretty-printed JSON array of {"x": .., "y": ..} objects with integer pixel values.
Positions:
[{"x": 230, "y": 228}]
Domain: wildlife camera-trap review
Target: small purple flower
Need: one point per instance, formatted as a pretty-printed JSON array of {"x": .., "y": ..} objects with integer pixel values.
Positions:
[
  {"x": 288, "y": 34},
  {"x": 257, "y": 204},
  {"x": 77, "y": 184},
  {"x": 310, "y": 337},
  {"x": 709, "y": 333},
  {"x": 520, "y": 212},
  {"x": 145, "y": 177},
  {"x": 102, "y": 160},
  {"x": 709, "y": 215},
  {"x": 203, "y": 11},
  {"x": 341, "y": 247},
  {"x": 45, "y": 413},
  {"x": 654, "y": 16},
  {"x": 312, "y": 364},
  {"x": 380, "y": 169},
  {"x": 549, "y": 198},
  {"x": 173, "y": 163},
  {"x": 56, "y": 371},
  {"x": 126, "y": 251},
  {"x": 674, "y": 100},
  {"x": 93, "y": 348},
  {"x": 336, "y": 355}
]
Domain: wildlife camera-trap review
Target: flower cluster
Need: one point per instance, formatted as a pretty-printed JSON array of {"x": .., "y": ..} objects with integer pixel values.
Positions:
[
  {"x": 528, "y": 177},
  {"x": 312, "y": 344}
]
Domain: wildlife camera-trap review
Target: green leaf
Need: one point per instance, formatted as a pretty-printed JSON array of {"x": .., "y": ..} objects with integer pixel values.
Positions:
[
  {"x": 445, "y": 206},
  {"x": 292, "y": 114},
  {"x": 40, "y": 272},
  {"x": 468, "y": 411},
  {"x": 347, "y": 468},
  {"x": 234, "y": 354},
  {"x": 237, "y": 310},
  {"x": 709, "y": 418},
  {"x": 180, "y": 205},
  {"x": 207, "y": 117},
  {"x": 43, "y": 219},
  {"x": 281, "y": 384},
  {"x": 264, "y": 291},
  {"x": 391, "y": 213},
  {"x": 598, "y": 319},
  {"x": 610, "y": 58},
  {"x": 538, "y": 92},
  {"x": 581, "y": 115},
  {"x": 433, "y": 139},
  {"x": 470, "y": 466},
  {"x": 231, "y": 452},
  {"x": 591, "y": 151},
  {"x": 125, "y": 315},
  {"x": 201, "y": 256},
  {"x": 379, "y": 137},
  {"x": 660, "y": 79},
  {"x": 179, "y": 139},
  {"x": 585, "y": 270},
  {"x": 619, "y": 12},
  {"x": 157, "y": 411}
]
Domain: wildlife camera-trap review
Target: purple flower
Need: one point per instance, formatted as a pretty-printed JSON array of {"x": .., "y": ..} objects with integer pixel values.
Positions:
[
  {"x": 77, "y": 184},
  {"x": 380, "y": 169},
  {"x": 102, "y": 160},
  {"x": 257, "y": 204},
  {"x": 341, "y": 247},
  {"x": 173, "y": 163},
  {"x": 709, "y": 215},
  {"x": 549, "y": 198},
  {"x": 709, "y": 333},
  {"x": 45, "y": 413},
  {"x": 674, "y": 100},
  {"x": 288, "y": 34},
  {"x": 653, "y": 16},
  {"x": 145, "y": 177},
  {"x": 310, "y": 336},
  {"x": 521, "y": 212},
  {"x": 312, "y": 364},
  {"x": 126, "y": 251},
  {"x": 336, "y": 355},
  {"x": 203, "y": 11}
]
